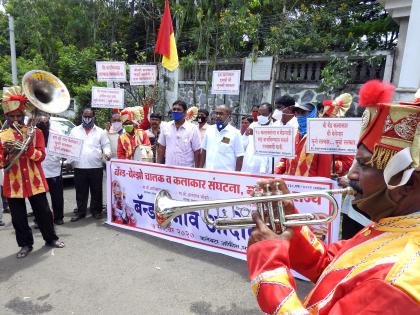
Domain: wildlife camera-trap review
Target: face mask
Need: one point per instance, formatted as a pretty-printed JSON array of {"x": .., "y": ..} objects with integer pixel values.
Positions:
[
  {"x": 116, "y": 125},
  {"x": 201, "y": 119},
  {"x": 278, "y": 114},
  {"x": 220, "y": 124},
  {"x": 262, "y": 120},
  {"x": 254, "y": 115},
  {"x": 303, "y": 120},
  {"x": 177, "y": 116},
  {"x": 243, "y": 129},
  {"x": 129, "y": 128},
  {"x": 88, "y": 122},
  {"x": 377, "y": 206}
]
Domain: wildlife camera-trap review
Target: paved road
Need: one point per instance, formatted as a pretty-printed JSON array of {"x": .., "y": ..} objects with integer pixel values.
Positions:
[{"x": 105, "y": 270}]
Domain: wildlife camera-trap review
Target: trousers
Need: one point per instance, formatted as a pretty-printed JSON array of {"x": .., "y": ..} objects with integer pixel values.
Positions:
[
  {"x": 43, "y": 216},
  {"x": 88, "y": 180},
  {"x": 55, "y": 185}
]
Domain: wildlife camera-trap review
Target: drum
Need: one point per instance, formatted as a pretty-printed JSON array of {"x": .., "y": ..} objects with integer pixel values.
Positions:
[{"x": 143, "y": 153}]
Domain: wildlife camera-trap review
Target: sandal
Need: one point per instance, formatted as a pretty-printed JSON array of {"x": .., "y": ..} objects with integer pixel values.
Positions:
[
  {"x": 24, "y": 251},
  {"x": 55, "y": 244}
]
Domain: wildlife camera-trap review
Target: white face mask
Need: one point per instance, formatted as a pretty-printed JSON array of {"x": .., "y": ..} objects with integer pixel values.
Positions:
[
  {"x": 262, "y": 120},
  {"x": 117, "y": 125},
  {"x": 278, "y": 114}
]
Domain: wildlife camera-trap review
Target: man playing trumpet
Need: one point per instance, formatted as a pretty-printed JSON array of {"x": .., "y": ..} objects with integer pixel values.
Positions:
[
  {"x": 377, "y": 271},
  {"x": 24, "y": 178}
]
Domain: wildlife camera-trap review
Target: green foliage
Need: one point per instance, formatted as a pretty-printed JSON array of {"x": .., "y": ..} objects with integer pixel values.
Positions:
[
  {"x": 336, "y": 74},
  {"x": 67, "y": 37}
]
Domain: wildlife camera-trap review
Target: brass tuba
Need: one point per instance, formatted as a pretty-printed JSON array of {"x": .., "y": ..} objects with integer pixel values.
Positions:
[{"x": 45, "y": 92}]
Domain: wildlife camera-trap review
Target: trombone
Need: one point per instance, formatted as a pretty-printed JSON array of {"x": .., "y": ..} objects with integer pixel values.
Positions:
[{"x": 268, "y": 203}]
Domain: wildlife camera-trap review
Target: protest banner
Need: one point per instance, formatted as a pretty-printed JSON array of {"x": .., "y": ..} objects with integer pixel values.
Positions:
[
  {"x": 132, "y": 186},
  {"x": 107, "y": 97},
  {"x": 111, "y": 71},
  {"x": 143, "y": 74},
  {"x": 226, "y": 82},
  {"x": 333, "y": 135},
  {"x": 64, "y": 146},
  {"x": 274, "y": 141}
]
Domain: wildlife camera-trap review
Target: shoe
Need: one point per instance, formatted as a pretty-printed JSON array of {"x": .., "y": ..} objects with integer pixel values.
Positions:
[
  {"x": 77, "y": 218},
  {"x": 75, "y": 210},
  {"x": 2, "y": 223},
  {"x": 24, "y": 251},
  {"x": 97, "y": 216},
  {"x": 58, "y": 222}
]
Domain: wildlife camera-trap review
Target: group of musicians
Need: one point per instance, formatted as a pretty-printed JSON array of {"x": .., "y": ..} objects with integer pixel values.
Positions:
[{"x": 374, "y": 271}]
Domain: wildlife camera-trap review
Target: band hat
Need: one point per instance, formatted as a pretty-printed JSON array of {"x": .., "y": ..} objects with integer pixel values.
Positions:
[
  {"x": 13, "y": 99},
  {"x": 134, "y": 114},
  {"x": 337, "y": 107},
  {"x": 391, "y": 132},
  {"x": 309, "y": 107}
]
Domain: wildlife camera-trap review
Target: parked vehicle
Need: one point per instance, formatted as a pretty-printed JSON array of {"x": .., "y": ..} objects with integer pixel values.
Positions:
[{"x": 63, "y": 126}]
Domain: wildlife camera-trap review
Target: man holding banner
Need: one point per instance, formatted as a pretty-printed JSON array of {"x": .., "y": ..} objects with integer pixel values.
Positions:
[
  {"x": 179, "y": 140},
  {"x": 88, "y": 171},
  {"x": 377, "y": 271},
  {"x": 222, "y": 144}
]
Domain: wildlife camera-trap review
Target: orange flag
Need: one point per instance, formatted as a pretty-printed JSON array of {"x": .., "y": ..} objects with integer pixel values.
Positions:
[{"x": 165, "y": 44}]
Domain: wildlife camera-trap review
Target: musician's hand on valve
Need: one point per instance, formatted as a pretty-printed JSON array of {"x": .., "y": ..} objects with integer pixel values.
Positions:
[{"x": 262, "y": 232}]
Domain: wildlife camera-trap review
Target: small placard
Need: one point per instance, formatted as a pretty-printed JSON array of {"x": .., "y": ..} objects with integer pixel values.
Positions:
[
  {"x": 111, "y": 71},
  {"x": 143, "y": 74},
  {"x": 260, "y": 70},
  {"x": 64, "y": 146},
  {"x": 107, "y": 97},
  {"x": 333, "y": 135},
  {"x": 226, "y": 82},
  {"x": 275, "y": 141}
]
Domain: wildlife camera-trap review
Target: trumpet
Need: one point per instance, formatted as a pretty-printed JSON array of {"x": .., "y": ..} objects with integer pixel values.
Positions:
[{"x": 268, "y": 204}]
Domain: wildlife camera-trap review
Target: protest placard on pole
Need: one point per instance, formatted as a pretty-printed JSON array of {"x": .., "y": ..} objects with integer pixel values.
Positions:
[
  {"x": 333, "y": 135},
  {"x": 274, "y": 141},
  {"x": 143, "y": 74},
  {"x": 111, "y": 71},
  {"x": 107, "y": 97},
  {"x": 64, "y": 146},
  {"x": 226, "y": 82},
  {"x": 259, "y": 69}
]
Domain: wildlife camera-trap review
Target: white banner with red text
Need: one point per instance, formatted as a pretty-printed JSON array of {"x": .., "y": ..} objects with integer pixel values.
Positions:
[{"x": 132, "y": 186}]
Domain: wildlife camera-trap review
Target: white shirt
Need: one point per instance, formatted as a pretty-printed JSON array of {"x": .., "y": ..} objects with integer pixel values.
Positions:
[
  {"x": 222, "y": 148},
  {"x": 256, "y": 164},
  {"x": 180, "y": 143},
  {"x": 292, "y": 123},
  {"x": 51, "y": 165},
  {"x": 95, "y": 143}
]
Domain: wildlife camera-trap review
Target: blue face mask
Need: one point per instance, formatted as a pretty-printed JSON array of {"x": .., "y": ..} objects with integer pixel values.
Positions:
[
  {"x": 177, "y": 116},
  {"x": 220, "y": 124},
  {"x": 303, "y": 121}
]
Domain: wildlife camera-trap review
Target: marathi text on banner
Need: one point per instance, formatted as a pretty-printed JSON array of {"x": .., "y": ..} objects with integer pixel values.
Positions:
[
  {"x": 64, "y": 146},
  {"x": 143, "y": 74},
  {"x": 275, "y": 141},
  {"x": 226, "y": 82},
  {"x": 132, "y": 187},
  {"x": 111, "y": 71},
  {"x": 333, "y": 135},
  {"x": 107, "y": 97}
]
